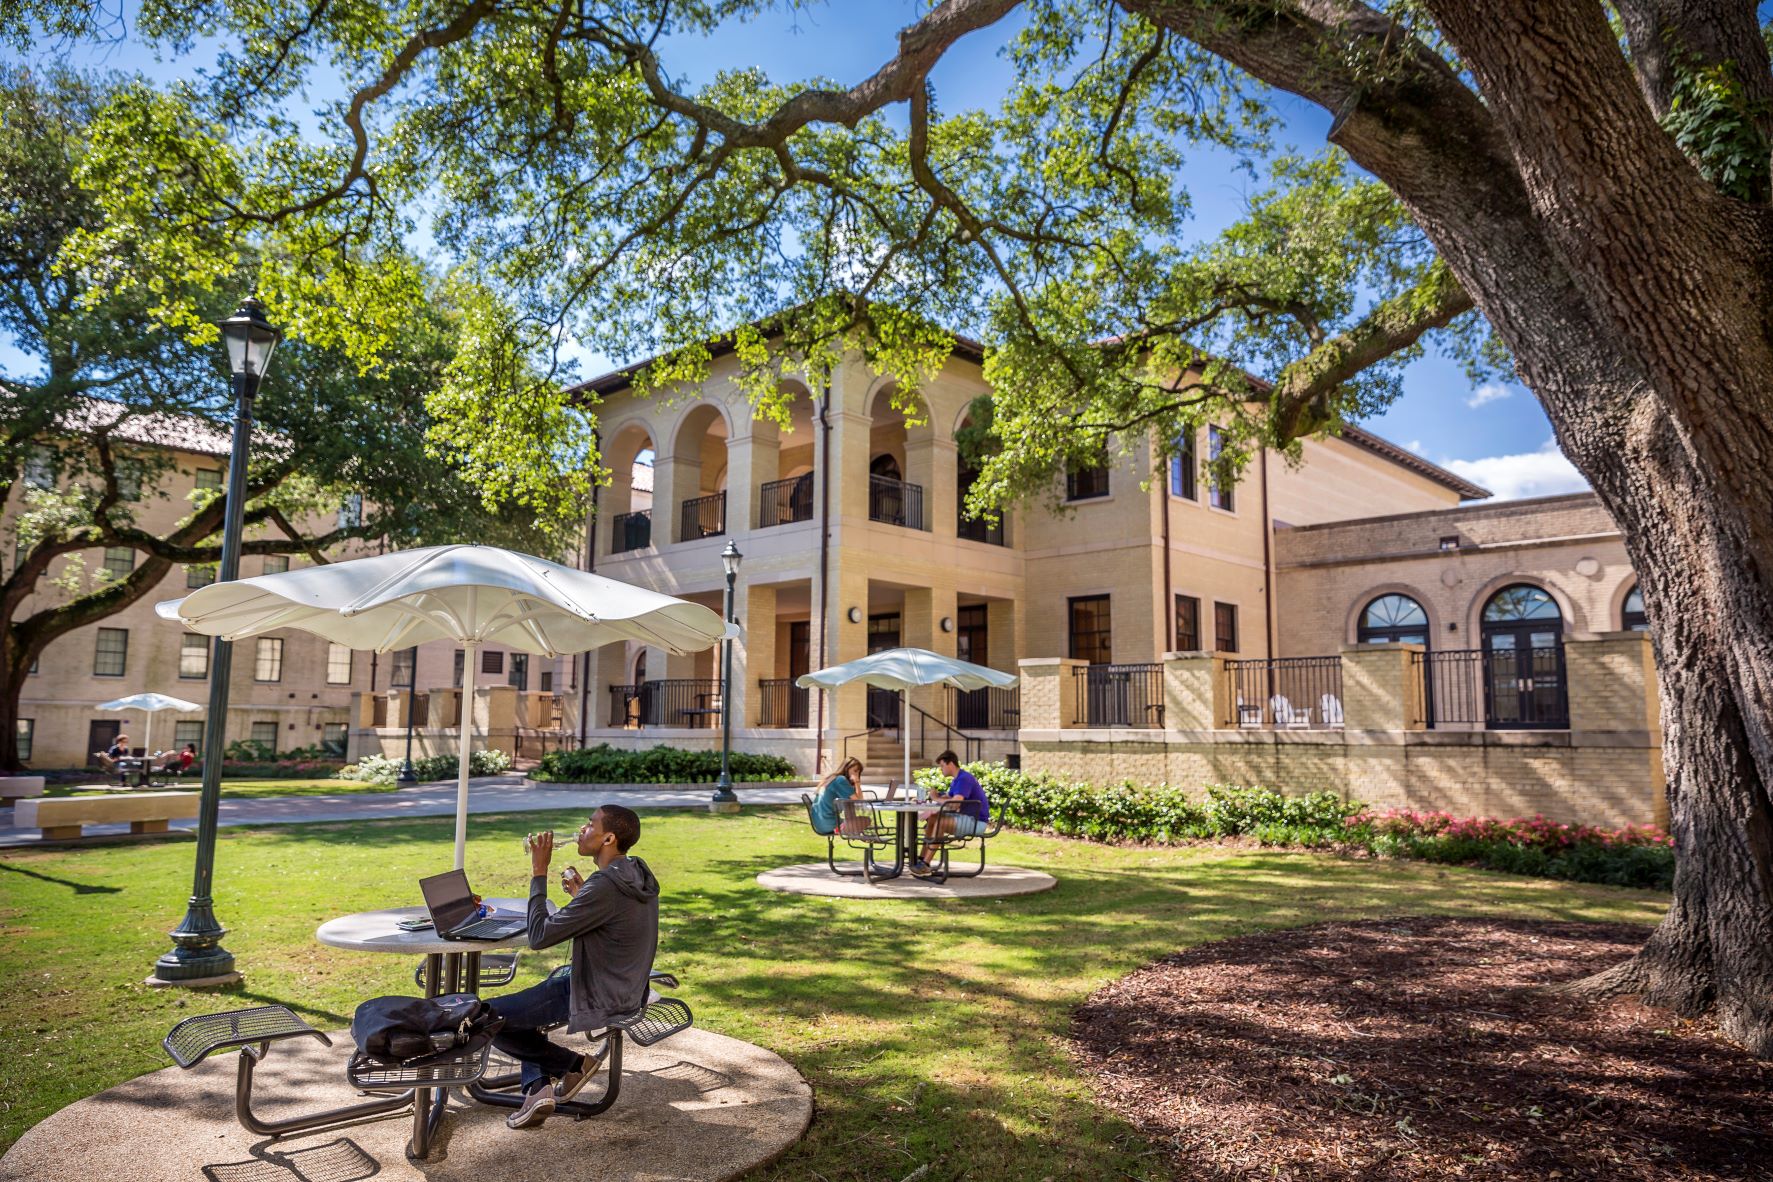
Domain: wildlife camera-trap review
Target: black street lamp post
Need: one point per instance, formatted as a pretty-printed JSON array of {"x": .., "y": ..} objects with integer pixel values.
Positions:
[
  {"x": 407, "y": 776},
  {"x": 725, "y": 799},
  {"x": 197, "y": 956}
]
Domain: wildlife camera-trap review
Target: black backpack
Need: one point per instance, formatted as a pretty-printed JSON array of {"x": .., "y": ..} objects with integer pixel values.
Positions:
[{"x": 398, "y": 1031}]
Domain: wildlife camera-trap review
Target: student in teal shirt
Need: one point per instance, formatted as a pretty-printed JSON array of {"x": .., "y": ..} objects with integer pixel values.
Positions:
[{"x": 841, "y": 787}]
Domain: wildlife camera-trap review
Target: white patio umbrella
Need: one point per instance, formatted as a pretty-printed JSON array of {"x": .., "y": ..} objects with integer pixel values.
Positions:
[
  {"x": 150, "y": 705},
  {"x": 900, "y": 669},
  {"x": 468, "y": 594}
]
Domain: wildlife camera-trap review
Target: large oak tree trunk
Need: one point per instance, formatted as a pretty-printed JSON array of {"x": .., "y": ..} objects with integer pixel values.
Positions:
[{"x": 1635, "y": 299}]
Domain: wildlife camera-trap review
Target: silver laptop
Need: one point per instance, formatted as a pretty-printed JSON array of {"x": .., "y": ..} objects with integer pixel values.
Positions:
[{"x": 454, "y": 914}]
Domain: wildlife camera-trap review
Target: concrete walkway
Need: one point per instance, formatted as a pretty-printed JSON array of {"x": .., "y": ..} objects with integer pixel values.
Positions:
[
  {"x": 699, "y": 1106},
  {"x": 487, "y": 794}
]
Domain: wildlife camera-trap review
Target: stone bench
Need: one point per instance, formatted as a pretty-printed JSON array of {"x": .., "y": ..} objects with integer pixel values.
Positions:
[
  {"x": 61, "y": 818},
  {"x": 17, "y": 787}
]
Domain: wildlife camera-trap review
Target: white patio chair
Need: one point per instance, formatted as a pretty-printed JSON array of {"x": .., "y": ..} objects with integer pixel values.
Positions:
[
  {"x": 1330, "y": 710},
  {"x": 1288, "y": 715}
]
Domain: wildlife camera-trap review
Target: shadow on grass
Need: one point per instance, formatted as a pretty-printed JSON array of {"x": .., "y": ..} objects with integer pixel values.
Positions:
[{"x": 79, "y": 888}]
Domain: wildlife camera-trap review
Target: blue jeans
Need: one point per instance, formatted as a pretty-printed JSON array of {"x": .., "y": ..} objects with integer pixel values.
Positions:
[{"x": 542, "y": 1004}]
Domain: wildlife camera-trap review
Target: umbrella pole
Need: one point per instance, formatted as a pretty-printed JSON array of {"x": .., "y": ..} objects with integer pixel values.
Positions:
[
  {"x": 148, "y": 737},
  {"x": 905, "y": 736},
  {"x": 470, "y": 666}
]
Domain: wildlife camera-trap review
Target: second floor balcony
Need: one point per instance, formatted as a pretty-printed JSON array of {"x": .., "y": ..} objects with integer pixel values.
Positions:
[
  {"x": 703, "y": 517},
  {"x": 783, "y": 502},
  {"x": 631, "y": 531},
  {"x": 895, "y": 502}
]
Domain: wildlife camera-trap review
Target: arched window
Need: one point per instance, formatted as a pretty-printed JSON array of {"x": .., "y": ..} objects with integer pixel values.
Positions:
[
  {"x": 1632, "y": 614},
  {"x": 1519, "y": 604},
  {"x": 884, "y": 465},
  {"x": 1393, "y": 619}
]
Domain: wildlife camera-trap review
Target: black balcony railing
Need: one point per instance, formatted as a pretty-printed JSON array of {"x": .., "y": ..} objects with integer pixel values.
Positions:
[
  {"x": 985, "y": 709},
  {"x": 1509, "y": 689},
  {"x": 1120, "y": 695},
  {"x": 703, "y": 517},
  {"x": 784, "y": 703},
  {"x": 631, "y": 531},
  {"x": 1285, "y": 692},
  {"x": 895, "y": 502},
  {"x": 691, "y": 702},
  {"x": 974, "y": 529},
  {"x": 785, "y": 501}
]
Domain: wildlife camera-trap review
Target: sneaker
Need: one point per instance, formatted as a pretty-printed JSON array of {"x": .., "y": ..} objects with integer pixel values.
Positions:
[
  {"x": 568, "y": 1085},
  {"x": 919, "y": 866},
  {"x": 538, "y": 1106}
]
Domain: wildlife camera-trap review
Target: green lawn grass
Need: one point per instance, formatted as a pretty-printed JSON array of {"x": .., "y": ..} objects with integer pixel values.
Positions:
[
  {"x": 250, "y": 788},
  {"x": 930, "y": 1032}
]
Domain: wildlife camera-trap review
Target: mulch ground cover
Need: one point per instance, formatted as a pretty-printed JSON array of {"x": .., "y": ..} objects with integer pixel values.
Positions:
[{"x": 1421, "y": 1048}]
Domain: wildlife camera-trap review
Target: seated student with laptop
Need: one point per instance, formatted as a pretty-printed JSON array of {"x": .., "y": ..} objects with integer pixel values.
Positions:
[
  {"x": 970, "y": 821},
  {"x": 612, "y": 919}
]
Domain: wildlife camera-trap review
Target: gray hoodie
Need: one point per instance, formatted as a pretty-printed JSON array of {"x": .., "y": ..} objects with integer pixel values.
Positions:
[{"x": 613, "y": 923}]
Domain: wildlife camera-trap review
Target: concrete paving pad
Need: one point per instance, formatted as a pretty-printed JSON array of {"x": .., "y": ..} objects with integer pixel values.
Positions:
[
  {"x": 697, "y": 1106},
  {"x": 815, "y": 878}
]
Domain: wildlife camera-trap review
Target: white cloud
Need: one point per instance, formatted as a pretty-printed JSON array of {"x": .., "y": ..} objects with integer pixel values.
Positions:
[
  {"x": 1541, "y": 473},
  {"x": 1414, "y": 445},
  {"x": 1488, "y": 392}
]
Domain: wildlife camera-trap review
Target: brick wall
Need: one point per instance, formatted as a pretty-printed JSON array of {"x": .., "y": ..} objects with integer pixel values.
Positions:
[{"x": 1605, "y": 770}]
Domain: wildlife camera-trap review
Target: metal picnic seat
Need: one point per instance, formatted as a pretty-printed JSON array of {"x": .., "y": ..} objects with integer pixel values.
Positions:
[
  {"x": 657, "y": 1020},
  {"x": 253, "y": 1031},
  {"x": 939, "y": 872},
  {"x": 496, "y": 968},
  {"x": 870, "y": 839}
]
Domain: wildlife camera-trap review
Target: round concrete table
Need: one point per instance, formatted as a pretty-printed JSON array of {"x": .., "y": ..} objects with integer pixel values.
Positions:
[{"x": 451, "y": 966}]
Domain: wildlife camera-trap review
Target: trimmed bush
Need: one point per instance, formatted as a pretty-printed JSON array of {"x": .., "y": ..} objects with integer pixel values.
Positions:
[
  {"x": 1636, "y": 856},
  {"x": 604, "y": 764},
  {"x": 379, "y": 769}
]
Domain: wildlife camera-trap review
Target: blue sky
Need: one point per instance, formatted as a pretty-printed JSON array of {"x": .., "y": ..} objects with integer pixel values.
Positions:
[{"x": 1496, "y": 435}]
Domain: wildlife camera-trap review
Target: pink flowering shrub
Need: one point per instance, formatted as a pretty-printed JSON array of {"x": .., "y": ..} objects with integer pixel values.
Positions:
[{"x": 1536, "y": 831}]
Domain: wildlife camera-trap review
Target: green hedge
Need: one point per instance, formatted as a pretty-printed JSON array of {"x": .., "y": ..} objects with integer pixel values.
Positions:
[
  {"x": 1636, "y": 856},
  {"x": 604, "y": 764},
  {"x": 380, "y": 769}
]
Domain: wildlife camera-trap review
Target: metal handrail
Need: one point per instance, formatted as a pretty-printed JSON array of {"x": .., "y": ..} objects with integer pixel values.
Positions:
[
  {"x": 975, "y": 529},
  {"x": 631, "y": 531},
  {"x": 971, "y": 746},
  {"x": 1286, "y": 693},
  {"x": 895, "y": 502},
  {"x": 782, "y": 502},
  {"x": 702, "y": 517},
  {"x": 1130, "y": 695},
  {"x": 1476, "y": 687},
  {"x": 784, "y": 703}
]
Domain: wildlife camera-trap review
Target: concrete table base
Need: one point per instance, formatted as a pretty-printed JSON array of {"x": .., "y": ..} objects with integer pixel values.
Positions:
[
  {"x": 697, "y": 1106},
  {"x": 815, "y": 878}
]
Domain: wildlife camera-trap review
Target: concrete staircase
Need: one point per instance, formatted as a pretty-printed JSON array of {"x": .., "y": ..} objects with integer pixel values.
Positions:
[{"x": 886, "y": 756}]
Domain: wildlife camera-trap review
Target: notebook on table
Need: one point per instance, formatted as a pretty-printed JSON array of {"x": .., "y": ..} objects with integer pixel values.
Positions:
[{"x": 456, "y": 916}]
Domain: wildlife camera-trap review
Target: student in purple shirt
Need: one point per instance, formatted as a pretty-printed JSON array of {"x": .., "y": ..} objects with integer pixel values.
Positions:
[{"x": 970, "y": 821}]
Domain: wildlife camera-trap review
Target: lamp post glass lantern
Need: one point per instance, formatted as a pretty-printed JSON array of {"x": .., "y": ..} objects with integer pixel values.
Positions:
[
  {"x": 197, "y": 956},
  {"x": 723, "y": 790}
]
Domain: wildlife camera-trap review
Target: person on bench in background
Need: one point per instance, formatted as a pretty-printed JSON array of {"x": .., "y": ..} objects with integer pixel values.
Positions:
[
  {"x": 842, "y": 787},
  {"x": 970, "y": 821},
  {"x": 612, "y": 918},
  {"x": 109, "y": 756}
]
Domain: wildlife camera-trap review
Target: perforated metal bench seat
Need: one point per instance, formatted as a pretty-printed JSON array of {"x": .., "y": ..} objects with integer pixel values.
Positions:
[
  {"x": 456, "y": 1070},
  {"x": 496, "y": 968},
  {"x": 194, "y": 1039},
  {"x": 658, "y": 1021}
]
